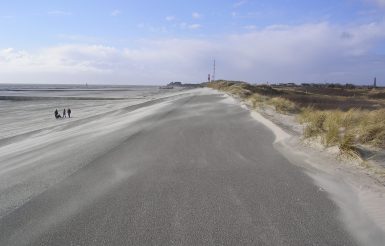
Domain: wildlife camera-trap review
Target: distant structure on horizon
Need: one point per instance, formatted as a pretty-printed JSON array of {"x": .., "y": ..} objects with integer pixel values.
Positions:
[
  {"x": 375, "y": 83},
  {"x": 213, "y": 78},
  {"x": 172, "y": 85}
]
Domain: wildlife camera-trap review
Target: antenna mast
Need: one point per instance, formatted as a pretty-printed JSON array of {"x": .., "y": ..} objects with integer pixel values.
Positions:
[{"x": 213, "y": 77}]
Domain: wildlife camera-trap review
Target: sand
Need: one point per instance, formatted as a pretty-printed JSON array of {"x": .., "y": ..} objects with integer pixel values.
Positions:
[
  {"x": 360, "y": 197},
  {"x": 37, "y": 150}
]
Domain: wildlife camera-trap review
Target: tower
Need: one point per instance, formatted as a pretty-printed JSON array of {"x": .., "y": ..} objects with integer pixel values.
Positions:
[
  {"x": 375, "y": 82},
  {"x": 213, "y": 78}
]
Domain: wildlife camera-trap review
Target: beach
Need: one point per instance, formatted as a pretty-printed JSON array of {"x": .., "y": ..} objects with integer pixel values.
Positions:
[
  {"x": 38, "y": 150},
  {"x": 187, "y": 167}
]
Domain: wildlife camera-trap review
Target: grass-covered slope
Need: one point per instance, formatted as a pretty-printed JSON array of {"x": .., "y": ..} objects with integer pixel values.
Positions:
[{"x": 337, "y": 117}]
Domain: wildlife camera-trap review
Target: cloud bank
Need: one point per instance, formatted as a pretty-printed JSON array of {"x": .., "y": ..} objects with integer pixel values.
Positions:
[{"x": 319, "y": 52}]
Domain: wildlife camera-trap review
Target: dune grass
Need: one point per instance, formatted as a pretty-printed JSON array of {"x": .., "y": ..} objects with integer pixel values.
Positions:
[
  {"x": 256, "y": 100},
  {"x": 335, "y": 120},
  {"x": 283, "y": 105},
  {"x": 345, "y": 129},
  {"x": 256, "y": 95}
]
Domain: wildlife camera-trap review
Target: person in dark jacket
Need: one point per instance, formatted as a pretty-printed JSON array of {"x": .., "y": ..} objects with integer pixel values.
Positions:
[
  {"x": 64, "y": 113},
  {"x": 69, "y": 112},
  {"x": 57, "y": 115}
]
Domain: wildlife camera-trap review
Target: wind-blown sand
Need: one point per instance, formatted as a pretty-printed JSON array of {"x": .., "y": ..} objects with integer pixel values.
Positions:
[
  {"x": 361, "y": 198},
  {"x": 37, "y": 150},
  {"x": 37, "y": 153}
]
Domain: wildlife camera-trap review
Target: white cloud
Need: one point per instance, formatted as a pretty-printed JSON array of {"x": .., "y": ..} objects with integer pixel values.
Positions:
[
  {"x": 304, "y": 53},
  {"x": 239, "y": 3},
  {"x": 250, "y": 27},
  {"x": 152, "y": 28},
  {"x": 115, "y": 12},
  {"x": 59, "y": 59},
  {"x": 170, "y": 18},
  {"x": 196, "y": 15},
  {"x": 79, "y": 38},
  {"x": 59, "y": 13},
  {"x": 194, "y": 26},
  {"x": 184, "y": 25}
]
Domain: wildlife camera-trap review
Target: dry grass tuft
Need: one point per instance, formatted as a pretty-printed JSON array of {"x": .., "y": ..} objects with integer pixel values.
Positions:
[
  {"x": 372, "y": 128},
  {"x": 348, "y": 147},
  {"x": 283, "y": 105},
  {"x": 238, "y": 89},
  {"x": 332, "y": 131},
  {"x": 257, "y": 100},
  {"x": 314, "y": 121},
  {"x": 345, "y": 129}
]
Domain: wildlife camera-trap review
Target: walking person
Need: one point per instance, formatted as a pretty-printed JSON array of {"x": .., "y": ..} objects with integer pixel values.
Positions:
[
  {"x": 64, "y": 113},
  {"x": 57, "y": 115},
  {"x": 69, "y": 112}
]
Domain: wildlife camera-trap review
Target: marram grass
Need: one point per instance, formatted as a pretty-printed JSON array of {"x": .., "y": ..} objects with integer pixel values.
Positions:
[{"x": 345, "y": 129}]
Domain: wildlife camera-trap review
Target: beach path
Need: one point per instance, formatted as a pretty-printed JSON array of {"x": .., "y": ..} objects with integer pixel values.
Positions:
[{"x": 198, "y": 171}]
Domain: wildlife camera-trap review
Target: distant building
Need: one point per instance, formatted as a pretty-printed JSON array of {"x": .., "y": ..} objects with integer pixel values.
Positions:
[
  {"x": 172, "y": 85},
  {"x": 375, "y": 82},
  {"x": 287, "y": 84},
  {"x": 175, "y": 84}
]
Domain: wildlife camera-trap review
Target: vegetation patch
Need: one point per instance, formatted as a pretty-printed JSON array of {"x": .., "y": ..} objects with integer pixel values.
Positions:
[
  {"x": 345, "y": 129},
  {"x": 339, "y": 116},
  {"x": 283, "y": 105}
]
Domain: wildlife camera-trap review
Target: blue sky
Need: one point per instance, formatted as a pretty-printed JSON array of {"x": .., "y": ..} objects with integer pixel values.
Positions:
[{"x": 153, "y": 42}]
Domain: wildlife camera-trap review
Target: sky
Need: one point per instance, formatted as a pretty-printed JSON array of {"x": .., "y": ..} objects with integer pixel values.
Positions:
[{"x": 155, "y": 42}]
